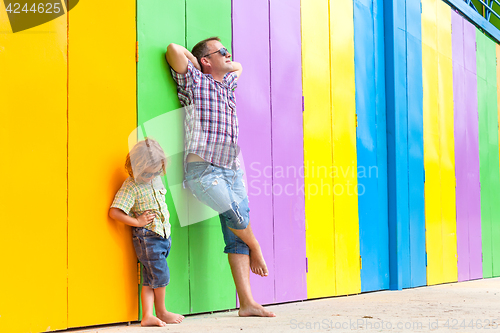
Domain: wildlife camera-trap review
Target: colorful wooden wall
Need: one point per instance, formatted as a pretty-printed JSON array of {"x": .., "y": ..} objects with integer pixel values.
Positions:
[
  {"x": 68, "y": 101},
  {"x": 368, "y": 129}
]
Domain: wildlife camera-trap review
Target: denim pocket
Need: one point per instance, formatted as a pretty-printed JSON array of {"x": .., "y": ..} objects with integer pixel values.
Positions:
[
  {"x": 209, "y": 179},
  {"x": 196, "y": 170},
  {"x": 148, "y": 233},
  {"x": 142, "y": 233}
]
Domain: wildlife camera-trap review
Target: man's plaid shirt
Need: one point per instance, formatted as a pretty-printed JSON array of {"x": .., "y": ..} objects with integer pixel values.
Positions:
[
  {"x": 211, "y": 124},
  {"x": 134, "y": 198}
]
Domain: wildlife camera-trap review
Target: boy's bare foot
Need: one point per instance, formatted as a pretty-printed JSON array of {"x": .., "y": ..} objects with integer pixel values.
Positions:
[
  {"x": 170, "y": 318},
  {"x": 255, "y": 310},
  {"x": 258, "y": 264},
  {"x": 152, "y": 321}
]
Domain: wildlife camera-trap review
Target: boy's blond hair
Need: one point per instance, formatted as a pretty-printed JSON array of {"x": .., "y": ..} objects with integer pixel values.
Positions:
[{"x": 145, "y": 154}]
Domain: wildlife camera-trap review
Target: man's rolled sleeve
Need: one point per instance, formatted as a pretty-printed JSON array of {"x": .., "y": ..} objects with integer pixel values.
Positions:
[
  {"x": 231, "y": 79},
  {"x": 188, "y": 80},
  {"x": 125, "y": 198}
]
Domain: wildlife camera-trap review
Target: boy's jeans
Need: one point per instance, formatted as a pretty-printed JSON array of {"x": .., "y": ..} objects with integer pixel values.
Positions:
[{"x": 152, "y": 251}]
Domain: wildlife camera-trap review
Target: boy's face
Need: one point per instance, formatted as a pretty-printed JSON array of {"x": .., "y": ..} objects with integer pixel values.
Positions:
[{"x": 149, "y": 173}]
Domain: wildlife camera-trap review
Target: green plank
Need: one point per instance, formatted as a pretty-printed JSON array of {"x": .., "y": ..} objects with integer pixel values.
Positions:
[
  {"x": 484, "y": 152},
  {"x": 494, "y": 154},
  {"x": 160, "y": 23},
  {"x": 480, "y": 54},
  {"x": 212, "y": 286}
]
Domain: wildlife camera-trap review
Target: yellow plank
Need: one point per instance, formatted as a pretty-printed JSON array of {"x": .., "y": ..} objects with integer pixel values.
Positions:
[
  {"x": 317, "y": 149},
  {"x": 102, "y": 113},
  {"x": 447, "y": 144},
  {"x": 429, "y": 25},
  {"x": 432, "y": 188},
  {"x": 345, "y": 210},
  {"x": 443, "y": 24},
  {"x": 33, "y": 100}
]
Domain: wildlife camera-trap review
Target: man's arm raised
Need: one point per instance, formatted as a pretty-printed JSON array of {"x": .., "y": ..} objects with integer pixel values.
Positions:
[
  {"x": 237, "y": 68},
  {"x": 178, "y": 56}
]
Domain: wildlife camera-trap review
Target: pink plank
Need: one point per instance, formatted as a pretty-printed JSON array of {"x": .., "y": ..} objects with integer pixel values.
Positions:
[
  {"x": 251, "y": 48},
  {"x": 473, "y": 186},
  {"x": 287, "y": 152},
  {"x": 460, "y": 114}
]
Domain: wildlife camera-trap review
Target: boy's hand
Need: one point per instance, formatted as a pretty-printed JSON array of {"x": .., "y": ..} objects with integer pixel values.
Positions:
[{"x": 145, "y": 218}]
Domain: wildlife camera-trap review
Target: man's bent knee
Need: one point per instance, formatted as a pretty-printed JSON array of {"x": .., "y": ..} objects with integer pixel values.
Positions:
[{"x": 238, "y": 216}]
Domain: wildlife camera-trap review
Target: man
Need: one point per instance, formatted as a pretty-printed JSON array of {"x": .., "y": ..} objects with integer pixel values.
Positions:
[{"x": 206, "y": 79}]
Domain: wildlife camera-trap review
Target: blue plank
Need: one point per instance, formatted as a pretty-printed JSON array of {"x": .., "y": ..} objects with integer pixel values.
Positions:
[
  {"x": 378, "y": 23},
  {"x": 416, "y": 162},
  {"x": 395, "y": 271},
  {"x": 370, "y": 231},
  {"x": 402, "y": 153},
  {"x": 413, "y": 19},
  {"x": 415, "y": 144},
  {"x": 397, "y": 145}
]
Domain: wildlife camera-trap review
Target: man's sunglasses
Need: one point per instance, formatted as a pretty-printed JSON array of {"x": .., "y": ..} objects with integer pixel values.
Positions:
[
  {"x": 223, "y": 51},
  {"x": 151, "y": 174}
]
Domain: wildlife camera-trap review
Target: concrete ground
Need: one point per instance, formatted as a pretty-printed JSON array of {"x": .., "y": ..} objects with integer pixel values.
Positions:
[{"x": 459, "y": 307}]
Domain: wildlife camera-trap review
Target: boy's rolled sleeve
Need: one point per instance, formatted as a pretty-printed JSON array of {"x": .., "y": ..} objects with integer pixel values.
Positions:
[
  {"x": 188, "y": 80},
  {"x": 125, "y": 198}
]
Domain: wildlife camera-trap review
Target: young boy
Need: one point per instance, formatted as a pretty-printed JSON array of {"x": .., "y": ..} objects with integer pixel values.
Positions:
[{"x": 140, "y": 203}]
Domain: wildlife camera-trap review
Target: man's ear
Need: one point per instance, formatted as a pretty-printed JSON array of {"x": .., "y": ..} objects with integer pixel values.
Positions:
[{"x": 204, "y": 62}]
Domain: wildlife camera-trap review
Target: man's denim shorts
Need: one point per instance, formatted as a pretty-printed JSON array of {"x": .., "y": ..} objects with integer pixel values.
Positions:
[
  {"x": 222, "y": 190},
  {"x": 152, "y": 251}
]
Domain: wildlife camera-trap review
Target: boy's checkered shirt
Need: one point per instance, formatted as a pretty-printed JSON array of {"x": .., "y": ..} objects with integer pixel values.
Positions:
[
  {"x": 211, "y": 123},
  {"x": 134, "y": 198}
]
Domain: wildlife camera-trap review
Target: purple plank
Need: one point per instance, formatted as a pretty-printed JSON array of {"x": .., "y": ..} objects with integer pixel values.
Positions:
[
  {"x": 460, "y": 114},
  {"x": 287, "y": 153},
  {"x": 251, "y": 49},
  {"x": 473, "y": 186},
  {"x": 470, "y": 48}
]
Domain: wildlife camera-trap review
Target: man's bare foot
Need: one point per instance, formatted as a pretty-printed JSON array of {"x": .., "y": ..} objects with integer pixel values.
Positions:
[
  {"x": 255, "y": 310},
  {"x": 152, "y": 321},
  {"x": 170, "y": 318},
  {"x": 258, "y": 264}
]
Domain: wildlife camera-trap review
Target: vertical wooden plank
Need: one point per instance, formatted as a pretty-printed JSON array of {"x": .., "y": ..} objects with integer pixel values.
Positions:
[
  {"x": 434, "y": 244},
  {"x": 397, "y": 144},
  {"x": 496, "y": 227},
  {"x": 498, "y": 80},
  {"x": 287, "y": 150},
  {"x": 416, "y": 175},
  {"x": 494, "y": 177},
  {"x": 373, "y": 229},
  {"x": 211, "y": 283},
  {"x": 446, "y": 143},
  {"x": 381, "y": 133},
  {"x": 461, "y": 156},
  {"x": 401, "y": 131},
  {"x": 158, "y": 106},
  {"x": 317, "y": 149},
  {"x": 251, "y": 32},
  {"x": 102, "y": 90},
  {"x": 473, "y": 185},
  {"x": 484, "y": 155},
  {"x": 344, "y": 147},
  {"x": 497, "y": 49},
  {"x": 33, "y": 133}
]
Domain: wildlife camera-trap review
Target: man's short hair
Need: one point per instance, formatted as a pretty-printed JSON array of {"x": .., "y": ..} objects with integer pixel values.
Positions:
[{"x": 201, "y": 49}]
